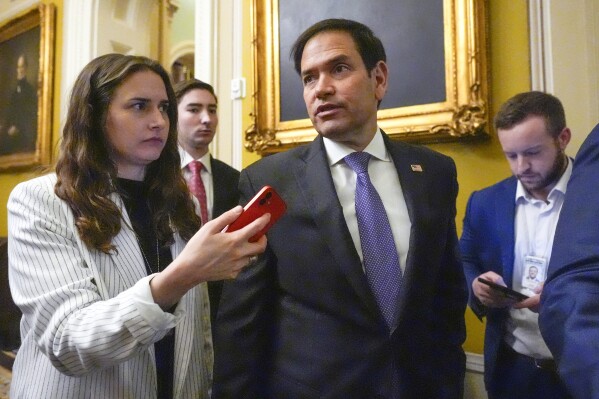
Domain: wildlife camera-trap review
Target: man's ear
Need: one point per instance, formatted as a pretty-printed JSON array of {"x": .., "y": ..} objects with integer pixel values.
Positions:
[
  {"x": 379, "y": 74},
  {"x": 564, "y": 138}
]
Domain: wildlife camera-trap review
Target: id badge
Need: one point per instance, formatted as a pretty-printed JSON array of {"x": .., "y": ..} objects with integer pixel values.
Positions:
[{"x": 535, "y": 271}]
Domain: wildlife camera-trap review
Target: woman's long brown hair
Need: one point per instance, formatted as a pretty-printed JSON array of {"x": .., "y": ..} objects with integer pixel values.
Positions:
[{"x": 85, "y": 171}]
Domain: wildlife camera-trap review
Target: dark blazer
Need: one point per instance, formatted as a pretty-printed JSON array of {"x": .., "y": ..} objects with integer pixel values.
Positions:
[
  {"x": 225, "y": 180},
  {"x": 569, "y": 314},
  {"x": 487, "y": 244},
  {"x": 303, "y": 323}
]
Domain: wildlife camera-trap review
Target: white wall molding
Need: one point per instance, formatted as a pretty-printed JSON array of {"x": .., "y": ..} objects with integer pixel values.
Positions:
[
  {"x": 474, "y": 381},
  {"x": 541, "y": 61},
  {"x": 475, "y": 363},
  {"x": 205, "y": 37},
  {"x": 218, "y": 60},
  {"x": 537, "y": 58},
  {"x": 237, "y": 114},
  {"x": 80, "y": 30}
]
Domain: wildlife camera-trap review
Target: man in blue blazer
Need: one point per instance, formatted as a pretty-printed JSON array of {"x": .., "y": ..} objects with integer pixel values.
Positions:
[
  {"x": 569, "y": 316},
  {"x": 507, "y": 236},
  {"x": 303, "y": 321}
]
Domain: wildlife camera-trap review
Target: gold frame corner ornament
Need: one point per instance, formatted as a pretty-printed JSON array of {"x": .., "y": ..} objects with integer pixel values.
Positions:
[
  {"x": 44, "y": 16},
  {"x": 463, "y": 115}
]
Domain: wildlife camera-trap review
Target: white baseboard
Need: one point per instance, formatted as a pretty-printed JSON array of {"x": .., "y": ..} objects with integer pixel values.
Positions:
[{"x": 475, "y": 363}]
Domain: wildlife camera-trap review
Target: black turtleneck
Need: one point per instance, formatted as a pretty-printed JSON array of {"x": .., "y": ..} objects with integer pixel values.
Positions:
[{"x": 135, "y": 196}]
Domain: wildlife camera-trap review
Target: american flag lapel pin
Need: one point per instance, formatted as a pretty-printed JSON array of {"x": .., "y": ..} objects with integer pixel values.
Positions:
[{"x": 416, "y": 168}]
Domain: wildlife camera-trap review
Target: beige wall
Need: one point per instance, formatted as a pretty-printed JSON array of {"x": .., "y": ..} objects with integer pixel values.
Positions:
[{"x": 571, "y": 32}]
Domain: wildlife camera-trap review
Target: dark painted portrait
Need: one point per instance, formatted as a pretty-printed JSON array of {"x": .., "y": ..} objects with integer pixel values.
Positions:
[{"x": 19, "y": 67}]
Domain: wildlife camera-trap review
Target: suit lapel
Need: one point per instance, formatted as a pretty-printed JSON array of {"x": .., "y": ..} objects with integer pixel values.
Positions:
[
  {"x": 505, "y": 221},
  {"x": 126, "y": 261},
  {"x": 185, "y": 330},
  {"x": 415, "y": 198},
  {"x": 321, "y": 198},
  {"x": 224, "y": 186},
  {"x": 218, "y": 189}
]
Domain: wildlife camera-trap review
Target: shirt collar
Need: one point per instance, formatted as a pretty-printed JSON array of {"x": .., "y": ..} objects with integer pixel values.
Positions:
[
  {"x": 337, "y": 151},
  {"x": 186, "y": 159},
  {"x": 560, "y": 186}
]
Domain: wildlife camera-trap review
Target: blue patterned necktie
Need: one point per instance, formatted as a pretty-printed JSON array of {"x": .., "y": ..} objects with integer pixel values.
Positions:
[{"x": 381, "y": 261}]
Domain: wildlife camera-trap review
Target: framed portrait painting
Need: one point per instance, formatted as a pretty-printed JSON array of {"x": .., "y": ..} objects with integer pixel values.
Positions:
[
  {"x": 436, "y": 55},
  {"x": 26, "y": 65}
]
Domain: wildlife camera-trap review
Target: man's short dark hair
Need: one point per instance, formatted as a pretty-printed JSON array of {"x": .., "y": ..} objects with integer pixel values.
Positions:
[
  {"x": 532, "y": 103},
  {"x": 369, "y": 46},
  {"x": 184, "y": 87}
]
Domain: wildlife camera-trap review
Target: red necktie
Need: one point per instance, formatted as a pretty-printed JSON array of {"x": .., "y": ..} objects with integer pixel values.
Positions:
[{"x": 196, "y": 186}]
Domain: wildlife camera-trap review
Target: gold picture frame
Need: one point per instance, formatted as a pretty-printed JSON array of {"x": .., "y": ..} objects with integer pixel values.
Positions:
[
  {"x": 27, "y": 50},
  {"x": 463, "y": 113}
]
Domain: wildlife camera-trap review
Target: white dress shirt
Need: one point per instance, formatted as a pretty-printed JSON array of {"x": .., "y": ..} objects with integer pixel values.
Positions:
[
  {"x": 383, "y": 175},
  {"x": 535, "y": 223}
]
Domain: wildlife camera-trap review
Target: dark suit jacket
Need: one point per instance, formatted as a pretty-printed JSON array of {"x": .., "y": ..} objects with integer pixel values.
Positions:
[
  {"x": 225, "y": 180},
  {"x": 569, "y": 315},
  {"x": 487, "y": 244},
  {"x": 303, "y": 323},
  {"x": 21, "y": 113}
]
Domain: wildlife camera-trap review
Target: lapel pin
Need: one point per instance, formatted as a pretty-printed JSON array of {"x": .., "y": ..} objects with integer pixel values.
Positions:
[{"x": 416, "y": 168}]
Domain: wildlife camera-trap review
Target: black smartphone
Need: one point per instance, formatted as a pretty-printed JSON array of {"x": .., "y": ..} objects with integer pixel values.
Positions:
[
  {"x": 507, "y": 292},
  {"x": 267, "y": 200}
]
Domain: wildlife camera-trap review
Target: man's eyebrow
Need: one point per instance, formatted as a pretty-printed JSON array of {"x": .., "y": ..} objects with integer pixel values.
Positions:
[
  {"x": 333, "y": 61},
  {"x": 533, "y": 148},
  {"x": 201, "y": 105}
]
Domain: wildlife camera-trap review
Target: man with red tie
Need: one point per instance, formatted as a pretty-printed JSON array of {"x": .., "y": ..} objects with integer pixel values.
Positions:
[{"x": 213, "y": 182}]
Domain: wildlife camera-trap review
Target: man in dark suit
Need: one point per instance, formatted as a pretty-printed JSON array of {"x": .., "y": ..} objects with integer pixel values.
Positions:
[
  {"x": 507, "y": 232},
  {"x": 197, "y": 123},
  {"x": 306, "y": 320},
  {"x": 569, "y": 315},
  {"x": 21, "y": 115}
]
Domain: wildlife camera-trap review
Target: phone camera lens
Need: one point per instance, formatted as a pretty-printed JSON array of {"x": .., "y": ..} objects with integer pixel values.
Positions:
[
  {"x": 262, "y": 201},
  {"x": 268, "y": 195}
]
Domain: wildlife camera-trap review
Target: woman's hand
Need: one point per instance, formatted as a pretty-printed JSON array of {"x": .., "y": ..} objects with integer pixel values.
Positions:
[{"x": 209, "y": 255}]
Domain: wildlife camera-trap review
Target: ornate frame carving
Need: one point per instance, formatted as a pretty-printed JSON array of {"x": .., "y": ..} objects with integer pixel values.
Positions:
[{"x": 463, "y": 115}]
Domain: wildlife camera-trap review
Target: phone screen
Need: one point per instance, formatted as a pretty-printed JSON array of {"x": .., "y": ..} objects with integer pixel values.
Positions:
[{"x": 509, "y": 293}]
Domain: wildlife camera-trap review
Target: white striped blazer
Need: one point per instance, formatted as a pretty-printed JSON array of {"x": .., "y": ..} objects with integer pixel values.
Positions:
[{"x": 88, "y": 327}]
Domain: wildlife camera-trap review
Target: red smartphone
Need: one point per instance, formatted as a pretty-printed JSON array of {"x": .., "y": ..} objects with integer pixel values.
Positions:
[{"x": 265, "y": 201}]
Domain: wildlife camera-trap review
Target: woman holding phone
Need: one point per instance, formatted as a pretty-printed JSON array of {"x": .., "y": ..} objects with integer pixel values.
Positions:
[{"x": 105, "y": 259}]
